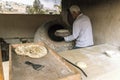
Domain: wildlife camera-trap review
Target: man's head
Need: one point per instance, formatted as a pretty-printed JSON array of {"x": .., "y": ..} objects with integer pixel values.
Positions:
[{"x": 75, "y": 10}]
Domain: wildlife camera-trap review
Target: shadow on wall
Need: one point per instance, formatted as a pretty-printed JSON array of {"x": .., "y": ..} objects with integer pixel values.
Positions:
[{"x": 4, "y": 49}]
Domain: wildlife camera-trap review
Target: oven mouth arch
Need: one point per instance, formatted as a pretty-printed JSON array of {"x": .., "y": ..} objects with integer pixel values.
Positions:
[{"x": 51, "y": 32}]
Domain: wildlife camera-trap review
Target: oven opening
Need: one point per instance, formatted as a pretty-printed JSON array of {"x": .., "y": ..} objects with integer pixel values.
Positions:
[{"x": 51, "y": 32}]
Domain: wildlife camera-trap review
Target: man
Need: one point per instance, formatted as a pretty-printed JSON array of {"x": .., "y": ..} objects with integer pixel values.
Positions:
[{"x": 82, "y": 29}]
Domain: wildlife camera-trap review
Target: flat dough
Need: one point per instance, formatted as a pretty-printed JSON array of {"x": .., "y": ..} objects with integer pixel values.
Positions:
[
  {"x": 110, "y": 53},
  {"x": 62, "y": 31},
  {"x": 33, "y": 50},
  {"x": 81, "y": 65}
]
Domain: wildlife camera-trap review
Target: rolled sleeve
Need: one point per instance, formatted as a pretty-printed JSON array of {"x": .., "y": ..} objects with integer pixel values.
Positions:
[{"x": 69, "y": 38}]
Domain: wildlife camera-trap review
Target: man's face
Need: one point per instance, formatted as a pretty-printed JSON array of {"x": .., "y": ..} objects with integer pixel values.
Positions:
[{"x": 74, "y": 15}]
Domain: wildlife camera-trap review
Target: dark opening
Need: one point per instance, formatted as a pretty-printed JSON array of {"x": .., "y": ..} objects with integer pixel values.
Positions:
[{"x": 51, "y": 32}]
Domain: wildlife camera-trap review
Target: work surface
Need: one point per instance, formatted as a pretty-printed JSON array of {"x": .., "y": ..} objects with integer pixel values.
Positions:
[
  {"x": 99, "y": 66},
  {"x": 53, "y": 66}
]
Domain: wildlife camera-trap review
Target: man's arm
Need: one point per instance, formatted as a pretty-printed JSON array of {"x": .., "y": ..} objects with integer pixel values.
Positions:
[{"x": 76, "y": 32}]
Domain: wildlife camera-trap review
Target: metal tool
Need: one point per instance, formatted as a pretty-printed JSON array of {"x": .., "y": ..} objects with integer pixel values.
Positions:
[
  {"x": 34, "y": 66},
  {"x": 76, "y": 67}
]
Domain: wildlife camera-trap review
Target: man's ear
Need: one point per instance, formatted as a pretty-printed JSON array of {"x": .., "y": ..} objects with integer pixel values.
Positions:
[{"x": 74, "y": 13}]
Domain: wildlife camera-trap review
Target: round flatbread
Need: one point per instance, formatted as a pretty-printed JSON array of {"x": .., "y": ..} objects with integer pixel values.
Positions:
[{"x": 33, "y": 51}]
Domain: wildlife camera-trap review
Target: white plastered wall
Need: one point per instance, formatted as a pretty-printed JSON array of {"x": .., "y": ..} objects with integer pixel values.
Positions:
[{"x": 105, "y": 18}]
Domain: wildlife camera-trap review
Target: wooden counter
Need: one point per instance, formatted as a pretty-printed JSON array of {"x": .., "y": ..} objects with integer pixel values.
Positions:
[
  {"x": 99, "y": 65},
  {"x": 1, "y": 68},
  {"x": 55, "y": 68}
]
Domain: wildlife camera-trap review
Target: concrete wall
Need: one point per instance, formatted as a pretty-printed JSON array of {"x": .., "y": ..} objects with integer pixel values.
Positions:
[
  {"x": 105, "y": 18},
  {"x": 22, "y": 25}
]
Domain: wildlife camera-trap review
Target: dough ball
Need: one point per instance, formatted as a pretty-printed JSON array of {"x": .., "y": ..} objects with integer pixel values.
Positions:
[{"x": 81, "y": 64}]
